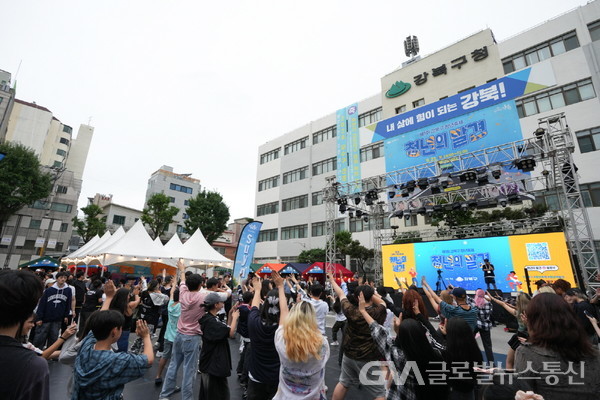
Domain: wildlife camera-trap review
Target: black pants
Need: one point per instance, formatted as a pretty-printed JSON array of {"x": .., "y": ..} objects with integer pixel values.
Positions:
[
  {"x": 490, "y": 281},
  {"x": 161, "y": 335},
  {"x": 213, "y": 387},
  {"x": 486, "y": 339},
  {"x": 261, "y": 391},
  {"x": 336, "y": 327},
  {"x": 242, "y": 367}
]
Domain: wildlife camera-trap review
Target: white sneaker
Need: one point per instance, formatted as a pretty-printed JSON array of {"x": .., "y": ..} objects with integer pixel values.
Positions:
[
  {"x": 336, "y": 343},
  {"x": 159, "y": 354}
]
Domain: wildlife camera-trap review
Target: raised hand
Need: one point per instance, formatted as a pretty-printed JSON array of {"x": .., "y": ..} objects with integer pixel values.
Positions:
[
  {"x": 277, "y": 279},
  {"x": 109, "y": 288},
  {"x": 362, "y": 304},
  {"x": 141, "y": 328}
]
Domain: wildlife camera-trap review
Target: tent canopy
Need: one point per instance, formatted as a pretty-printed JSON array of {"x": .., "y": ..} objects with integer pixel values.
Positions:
[
  {"x": 255, "y": 267},
  {"x": 42, "y": 262},
  {"x": 319, "y": 268},
  {"x": 294, "y": 268},
  {"x": 268, "y": 268}
]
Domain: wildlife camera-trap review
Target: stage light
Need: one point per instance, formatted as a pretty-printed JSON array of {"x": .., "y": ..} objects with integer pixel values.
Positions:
[
  {"x": 392, "y": 194},
  {"x": 410, "y": 185},
  {"x": 464, "y": 206},
  {"x": 342, "y": 208},
  {"x": 398, "y": 213},
  {"x": 553, "y": 120},
  {"x": 342, "y": 201},
  {"x": 368, "y": 201},
  {"x": 357, "y": 200},
  {"x": 472, "y": 203},
  {"x": 407, "y": 216},
  {"x": 496, "y": 171},
  {"x": 482, "y": 177},
  {"x": 404, "y": 190},
  {"x": 444, "y": 180},
  {"x": 370, "y": 197},
  {"x": 514, "y": 198},
  {"x": 438, "y": 208},
  {"x": 468, "y": 176},
  {"x": 539, "y": 133},
  {"x": 525, "y": 164},
  {"x": 366, "y": 219},
  {"x": 359, "y": 213},
  {"x": 455, "y": 206},
  {"x": 422, "y": 183},
  {"x": 421, "y": 210},
  {"x": 350, "y": 214},
  {"x": 502, "y": 200}
]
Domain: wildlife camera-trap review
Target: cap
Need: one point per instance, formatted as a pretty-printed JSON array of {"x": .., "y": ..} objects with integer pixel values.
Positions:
[
  {"x": 212, "y": 298},
  {"x": 50, "y": 281},
  {"x": 459, "y": 292}
]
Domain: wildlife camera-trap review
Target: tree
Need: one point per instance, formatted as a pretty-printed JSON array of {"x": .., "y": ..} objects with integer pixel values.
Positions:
[
  {"x": 312, "y": 256},
  {"x": 22, "y": 182},
  {"x": 360, "y": 253},
  {"x": 91, "y": 225},
  {"x": 208, "y": 212},
  {"x": 158, "y": 214},
  {"x": 343, "y": 239}
]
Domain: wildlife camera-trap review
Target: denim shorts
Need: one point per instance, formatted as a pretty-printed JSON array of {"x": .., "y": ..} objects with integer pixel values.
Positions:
[
  {"x": 350, "y": 377},
  {"x": 167, "y": 349}
]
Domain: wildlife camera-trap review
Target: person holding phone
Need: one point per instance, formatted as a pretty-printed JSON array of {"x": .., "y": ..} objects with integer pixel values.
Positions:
[{"x": 581, "y": 305}]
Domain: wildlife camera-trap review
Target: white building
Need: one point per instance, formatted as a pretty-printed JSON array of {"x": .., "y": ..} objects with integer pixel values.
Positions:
[
  {"x": 45, "y": 227},
  {"x": 180, "y": 188},
  {"x": 292, "y": 168},
  {"x": 116, "y": 215}
]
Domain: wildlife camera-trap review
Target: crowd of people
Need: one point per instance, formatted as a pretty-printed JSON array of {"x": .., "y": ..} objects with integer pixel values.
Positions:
[{"x": 389, "y": 347}]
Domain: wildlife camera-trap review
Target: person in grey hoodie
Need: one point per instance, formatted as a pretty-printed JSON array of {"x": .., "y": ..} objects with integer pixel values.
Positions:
[{"x": 53, "y": 309}]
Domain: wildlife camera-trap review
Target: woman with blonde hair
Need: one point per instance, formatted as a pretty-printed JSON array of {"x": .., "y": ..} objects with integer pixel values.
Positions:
[{"x": 303, "y": 353}]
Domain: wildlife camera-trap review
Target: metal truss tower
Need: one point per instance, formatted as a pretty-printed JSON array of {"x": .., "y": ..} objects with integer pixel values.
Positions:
[{"x": 330, "y": 196}]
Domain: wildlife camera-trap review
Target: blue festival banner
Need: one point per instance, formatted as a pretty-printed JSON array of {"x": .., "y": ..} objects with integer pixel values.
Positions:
[
  {"x": 484, "y": 96},
  {"x": 348, "y": 144},
  {"x": 245, "y": 250}
]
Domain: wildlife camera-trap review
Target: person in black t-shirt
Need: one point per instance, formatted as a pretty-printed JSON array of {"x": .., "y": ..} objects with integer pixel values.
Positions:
[
  {"x": 91, "y": 302},
  {"x": 488, "y": 274}
]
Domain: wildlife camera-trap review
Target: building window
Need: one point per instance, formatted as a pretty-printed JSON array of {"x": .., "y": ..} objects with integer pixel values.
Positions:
[
  {"x": 61, "y": 207},
  {"x": 172, "y": 199},
  {"x": 556, "y": 98},
  {"x": 61, "y": 189},
  {"x": 118, "y": 219},
  {"x": 401, "y": 109},
  {"x": 270, "y": 156},
  {"x": 594, "y": 28},
  {"x": 266, "y": 209},
  {"x": 61, "y": 152},
  {"x": 40, "y": 205},
  {"x": 268, "y": 235},
  {"x": 67, "y": 129},
  {"x": 35, "y": 224},
  {"x": 412, "y": 221},
  {"x": 541, "y": 52},
  {"x": 371, "y": 151},
  {"x": 185, "y": 216},
  {"x": 268, "y": 183},
  {"x": 186, "y": 202},
  {"x": 219, "y": 249},
  {"x": 324, "y": 166},
  {"x": 325, "y": 134},
  {"x": 180, "y": 188},
  {"x": 418, "y": 103},
  {"x": 356, "y": 225},
  {"x": 317, "y": 198},
  {"x": 340, "y": 225},
  {"x": 64, "y": 141},
  {"x": 295, "y": 145},
  {"x": 64, "y": 226},
  {"x": 590, "y": 193},
  {"x": 57, "y": 164},
  {"x": 180, "y": 229},
  {"x": 294, "y": 203},
  {"x": 317, "y": 229},
  {"x": 589, "y": 140},
  {"x": 295, "y": 175},
  {"x": 294, "y": 232},
  {"x": 370, "y": 117}
]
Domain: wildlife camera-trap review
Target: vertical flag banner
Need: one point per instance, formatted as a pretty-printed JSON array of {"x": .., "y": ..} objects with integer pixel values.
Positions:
[
  {"x": 245, "y": 250},
  {"x": 348, "y": 145}
]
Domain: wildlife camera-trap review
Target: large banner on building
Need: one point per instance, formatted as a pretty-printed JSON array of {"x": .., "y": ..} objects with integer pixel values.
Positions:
[
  {"x": 458, "y": 262},
  {"x": 515, "y": 85},
  {"x": 245, "y": 250},
  {"x": 348, "y": 144},
  {"x": 445, "y": 140}
]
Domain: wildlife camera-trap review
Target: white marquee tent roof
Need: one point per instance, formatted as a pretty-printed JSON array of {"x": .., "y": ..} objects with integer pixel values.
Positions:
[{"x": 136, "y": 245}]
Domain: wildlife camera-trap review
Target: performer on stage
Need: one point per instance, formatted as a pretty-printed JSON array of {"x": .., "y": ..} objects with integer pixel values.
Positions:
[{"x": 488, "y": 274}]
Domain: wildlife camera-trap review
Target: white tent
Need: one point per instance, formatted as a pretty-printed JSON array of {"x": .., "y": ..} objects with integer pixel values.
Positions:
[
  {"x": 174, "y": 245},
  {"x": 83, "y": 249},
  {"x": 97, "y": 249},
  {"x": 197, "y": 252},
  {"x": 135, "y": 245}
]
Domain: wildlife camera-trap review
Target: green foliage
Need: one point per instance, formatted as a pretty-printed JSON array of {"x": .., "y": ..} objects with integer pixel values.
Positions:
[
  {"x": 91, "y": 225},
  {"x": 413, "y": 237},
  {"x": 312, "y": 256},
  {"x": 360, "y": 253},
  {"x": 343, "y": 239},
  {"x": 21, "y": 180},
  {"x": 468, "y": 217},
  {"x": 208, "y": 212},
  {"x": 158, "y": 214}
]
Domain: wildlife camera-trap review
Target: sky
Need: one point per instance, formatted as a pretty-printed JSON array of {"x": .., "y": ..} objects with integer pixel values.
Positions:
[{"x": 200, "y": 85}]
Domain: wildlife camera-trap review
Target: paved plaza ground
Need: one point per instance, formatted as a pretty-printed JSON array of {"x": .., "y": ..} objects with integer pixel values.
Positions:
[{"x": 144, "y": 388}]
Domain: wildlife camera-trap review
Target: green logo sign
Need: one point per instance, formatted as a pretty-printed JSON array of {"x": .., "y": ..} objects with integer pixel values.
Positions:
[{"x": 397, "y": 89}]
